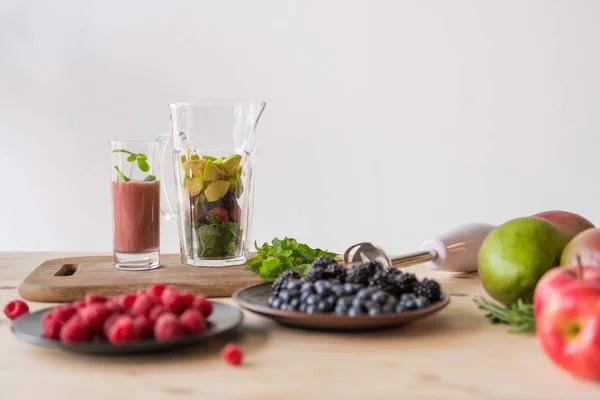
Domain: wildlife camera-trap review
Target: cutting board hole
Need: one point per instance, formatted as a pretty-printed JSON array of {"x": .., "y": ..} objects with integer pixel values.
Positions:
[{"x": 67, "y": 270}]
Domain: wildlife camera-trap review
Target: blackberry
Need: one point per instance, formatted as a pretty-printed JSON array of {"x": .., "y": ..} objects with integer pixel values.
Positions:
[
  {"x": 335, "y": 271},
  {"x": 322, "y": 261},
  {"x": 403, "y": 283},
  {"x": 422, "y": 302},
  {"x": 384, "y": 280},
  {"x": 228, "y": 201},
  {"x": 283, "y": 279},
  {"x": 358, "y": 274},
  {"x": 323, "y": 288},
  {"x": 428, "y": 288},
  {"x": 293, "y": 284},
  {"x": 315, "y": 273},
  {"x": 380, "y": 297}
]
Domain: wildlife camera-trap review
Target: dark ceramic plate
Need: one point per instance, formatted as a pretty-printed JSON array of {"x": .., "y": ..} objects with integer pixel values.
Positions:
[
  {"x": 254, "y": 298},
  {"x": 223, "y": 319}
]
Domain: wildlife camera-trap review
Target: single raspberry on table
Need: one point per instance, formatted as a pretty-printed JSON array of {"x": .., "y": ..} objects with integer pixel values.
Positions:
[
  {"x": 122, "y": 330},
  {"x": 203, "y": 304},
  {"x": 74, "y": 330},
  {"x": 167, "y": 327},
  {"x": 93, "y": 316},
  {"x": 15, "y": 309},
  {"x": 235, "y": 213},
  {"x": 142, "y": 305},
  {"x": 144, "y": 326},
  {"x": 156, "y": 312},
  {"x": 221, "y": 214},
  {"x": 192, "y": 321},
  {"x": 91, "y": 298},
  {"x": 79, "y": 304},
  {"x": 155, "y": 291},
  {"x": 177, "y": 302},
  {"x": 232, "y": 354}
]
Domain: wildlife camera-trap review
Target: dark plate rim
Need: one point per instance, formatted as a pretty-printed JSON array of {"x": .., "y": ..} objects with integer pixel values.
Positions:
[
  {"x": 139, "y": 344},
  {"x": 266, "y": 310}
]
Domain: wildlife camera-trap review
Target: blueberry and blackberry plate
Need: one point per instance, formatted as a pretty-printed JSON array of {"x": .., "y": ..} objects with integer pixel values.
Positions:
[{"x": 332, "y": 297}]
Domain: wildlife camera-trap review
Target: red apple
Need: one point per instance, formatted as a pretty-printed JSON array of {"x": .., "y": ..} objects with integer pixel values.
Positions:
[
  {"x": 568, "y": 329},
  {"x": 559, "y": 277},
  {"x": 569, "y": 223},
  {"x": 585, "y": 247}
]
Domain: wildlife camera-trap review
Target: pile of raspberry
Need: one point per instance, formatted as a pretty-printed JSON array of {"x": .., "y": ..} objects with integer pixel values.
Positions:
[{"x": 159, "y": 312}]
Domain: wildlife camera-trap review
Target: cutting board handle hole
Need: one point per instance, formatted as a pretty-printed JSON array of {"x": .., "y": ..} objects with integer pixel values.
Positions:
[{"x": 67, "y": 270}]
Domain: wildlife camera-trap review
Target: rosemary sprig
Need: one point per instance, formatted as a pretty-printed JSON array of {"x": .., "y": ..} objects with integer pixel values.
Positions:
[{"x": 519, "y": 315}]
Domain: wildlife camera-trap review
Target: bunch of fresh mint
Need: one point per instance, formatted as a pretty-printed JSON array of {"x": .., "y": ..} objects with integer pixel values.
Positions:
[{"x": 281, "y": 255}]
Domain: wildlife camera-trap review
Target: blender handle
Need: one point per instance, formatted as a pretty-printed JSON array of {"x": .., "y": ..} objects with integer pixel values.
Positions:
[{"x": 166, "y": 207}]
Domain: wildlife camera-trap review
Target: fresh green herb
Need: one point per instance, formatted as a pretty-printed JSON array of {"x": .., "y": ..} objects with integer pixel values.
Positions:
[
  {"x": 142, "y": 164},
  {"x": 217, "y": 240},
  {"x": 283, "y": 254},
  {"x": 519, "y": 315}
]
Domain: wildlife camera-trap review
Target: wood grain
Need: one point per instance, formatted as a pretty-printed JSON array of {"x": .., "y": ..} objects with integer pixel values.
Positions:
[
  {"x": 454, "y": 354},
  {"x": 68, "y": 279}
]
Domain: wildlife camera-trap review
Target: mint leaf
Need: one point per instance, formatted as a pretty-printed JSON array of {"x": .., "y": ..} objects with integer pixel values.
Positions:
[
  {"x": 121, "y": 176},
  {"x": 305, "y": 252},
  {"x": 150, "y": 178},
  {"x": 212, "y": 219},
  {"x": 290, "y": 244},
  {"x": 271, "y": 269},
  {"x": 143, "y": 165},
  {"x": 302, "y": 269},
  {"x": 277, "y": 246},
  {"x": 254, "y": 263},
  {"x": 122, "y": 151},
  {"x": 284, "y": 254},
  {"x": 142, "y": 156},
  {"x": 131, "y": 158}
]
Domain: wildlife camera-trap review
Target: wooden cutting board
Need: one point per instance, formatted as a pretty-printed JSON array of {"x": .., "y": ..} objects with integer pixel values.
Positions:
[{"x": 68, "y": 279}]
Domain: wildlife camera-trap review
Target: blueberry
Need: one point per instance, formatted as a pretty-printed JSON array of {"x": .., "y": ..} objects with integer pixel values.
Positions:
[
  {"x": 311, "y": 309},
  {"x": 276, "y": 303},
  {"x": 322, "y": 288},
  {"x": 270, "y": 301},
  {"x": 392, "y": 300},
  {"x": 304, "y": 296},
  {"x": 422, "y": 302},
  {"x": 355, "y": 311},
  {"x": 357, "y": 301},
  {"x": 400, "y": 307},
  {"x": 312, "y": 299},
  {"x": 302, "y": 307},
  {"x": 408, "y": 296},
  {"x": 335, "y": 282},
  {"x": 307, "y": 287},
  {"x": 294, "y": 284},
  {"x": 388, "y": 308},
  {"x": 294, "y": 302},
  {"x": 364, "y": 293},
  {"x": 373, "y": 312},
  {"x": 380, "y": 297},
  {"x": 345, "y": 301},
  {"x": 286, "y": 307},
  {"x": 341, "y": 308},
  {"x": 410, "y": 304},
  {"x": 372, "y": 305},
  {"x": 287, "y": 295},
  {"x": 324, "y": 306},
  {"x": 337, "y": 289},
  {"x": 348, "y": 289}
]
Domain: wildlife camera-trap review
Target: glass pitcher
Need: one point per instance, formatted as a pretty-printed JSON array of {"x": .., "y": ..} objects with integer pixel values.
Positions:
[{"x": 214, "y": 152}]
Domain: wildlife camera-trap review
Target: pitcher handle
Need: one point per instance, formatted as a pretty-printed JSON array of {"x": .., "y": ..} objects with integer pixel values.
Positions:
[{"x": 166, "y": 207}]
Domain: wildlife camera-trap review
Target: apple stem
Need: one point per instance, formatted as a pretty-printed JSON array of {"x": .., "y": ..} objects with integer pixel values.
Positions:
[{"x": 580, "y": 267}]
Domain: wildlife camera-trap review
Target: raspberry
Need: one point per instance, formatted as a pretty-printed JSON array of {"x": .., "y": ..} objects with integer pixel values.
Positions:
[
  {"x": 155, "y": 291},
  {"x": 192, "y": 321},
  {"x": 93, "y": 316},
  {"x": 177, "y": 302},
  {"x": 167, "y": 327},
  {"x": 221, "y": 214},
  {"x": 74, "y": 330},
  {"x": 144, "y": 326},
  {"x": 232, "y": 354},
  {"x": 122, "y": 330},
  {"x": 126, "y": 300},
  {"x": 114, "y": 307},
  {"x": 50, "y": 325},
  {"x": 236, "y": 213},
  {"x": 142, "y": 305},
  {"x": 15, "y": 309},
  {"x": 202, "y": 304},
  {"x": 79, "y": 304},
  {"x": 108, "y": 322},
  {"x": 156, "y": 312},
  {"x": 91, "y": 298}
]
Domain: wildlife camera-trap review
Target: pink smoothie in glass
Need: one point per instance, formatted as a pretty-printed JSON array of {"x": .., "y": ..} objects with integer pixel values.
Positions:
[{"x": 136, "y": 216}]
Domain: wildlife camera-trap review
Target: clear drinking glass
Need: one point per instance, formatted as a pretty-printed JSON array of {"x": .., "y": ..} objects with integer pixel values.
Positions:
[
  {"x": 135, "y": 190},
  {"x": 214, "y": 151}
]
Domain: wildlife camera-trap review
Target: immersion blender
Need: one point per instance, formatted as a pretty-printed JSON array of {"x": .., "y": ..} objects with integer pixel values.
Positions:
[{"x": 455, "y": 250}]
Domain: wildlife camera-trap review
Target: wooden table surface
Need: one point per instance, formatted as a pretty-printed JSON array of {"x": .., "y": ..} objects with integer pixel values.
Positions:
[{"x": 455, "y": 354}]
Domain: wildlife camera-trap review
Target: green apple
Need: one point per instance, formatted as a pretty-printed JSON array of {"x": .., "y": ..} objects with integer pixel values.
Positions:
[
  {"x": 211, "y": 171},
  {"x": 515, "y": 255},
  {"x": 215, "y": 190}
]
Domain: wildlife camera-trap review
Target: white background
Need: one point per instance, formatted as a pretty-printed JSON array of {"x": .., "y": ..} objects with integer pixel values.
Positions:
[{"x": 386, "y": 121}]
